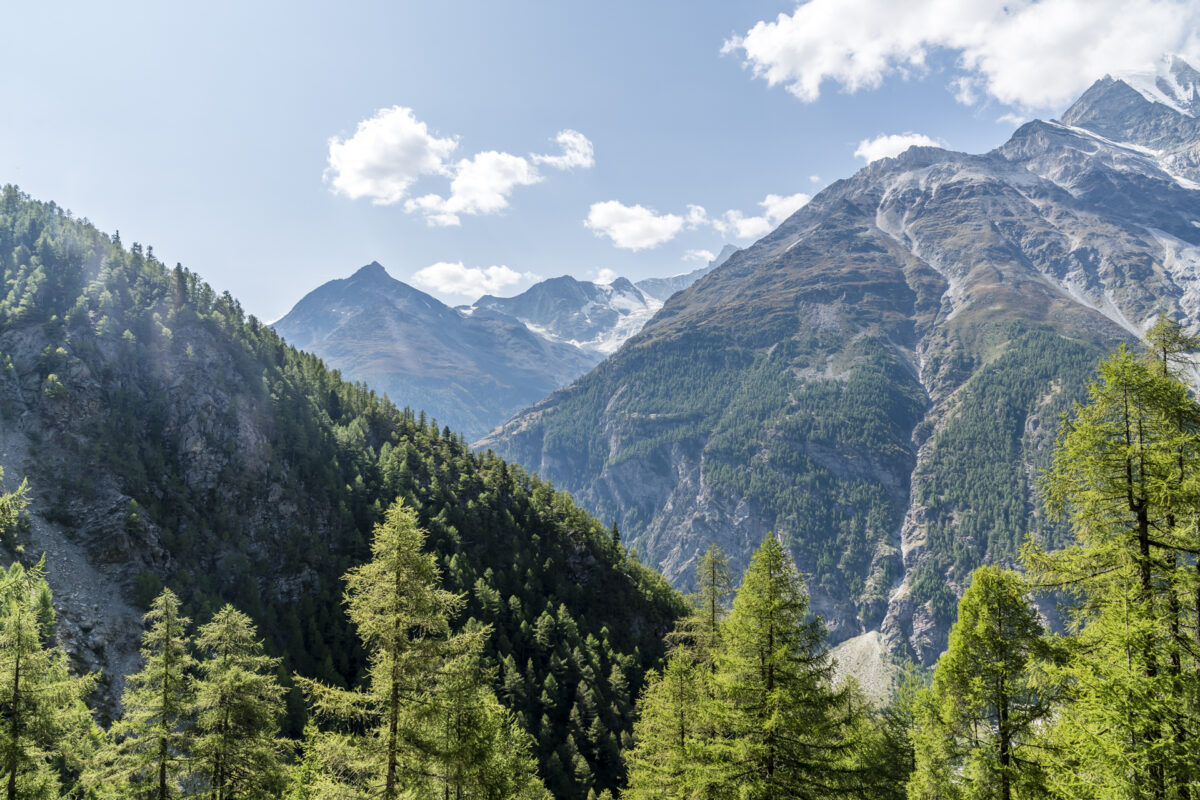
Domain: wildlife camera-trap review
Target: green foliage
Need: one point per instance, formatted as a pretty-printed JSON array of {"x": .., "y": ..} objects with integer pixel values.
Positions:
[
  {"x": 45, "y": 728},
  {"x": 426, "y": 720},
  {"x": 145, "y": 756},
  {"x": 237, "y": 708},
  {"x": 975, "y": 730},
  {"x": 761, "y": 718},
  {"x": 1125, "y": 475},
  {"x": 261, "y": 472},
  {"x": 976, "y": 489}
]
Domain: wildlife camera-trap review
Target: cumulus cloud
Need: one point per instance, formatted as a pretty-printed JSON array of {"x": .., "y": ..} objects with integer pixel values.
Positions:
[
  {"x": 482, "y": 184},
  {"x": 386, "y": 155},
  {"x": 577, "y": 151},
  {"x": 776, "y": 208},
  {"x": 605, "y": 276},
  {"x": 389, "y": 152},
  {"x": 703, "y": 256},
  {"x": 632, "y": 227},
  {"x": 638, "y": 228},
  {"x": 446, "y": 277},
  {"x": 1026, "y": 53},
  {"x": 891, "y": 145}
]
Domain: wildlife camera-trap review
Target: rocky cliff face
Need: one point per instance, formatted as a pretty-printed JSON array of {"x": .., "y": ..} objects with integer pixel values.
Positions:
[{"x": 879, "y": 379}]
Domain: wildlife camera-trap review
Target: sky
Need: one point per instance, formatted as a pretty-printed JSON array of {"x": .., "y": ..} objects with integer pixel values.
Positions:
[{"x": 475, "y": 147}]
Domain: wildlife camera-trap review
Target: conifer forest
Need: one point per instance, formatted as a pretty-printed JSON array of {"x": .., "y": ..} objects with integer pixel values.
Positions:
[{"x": 541, "y": 400}]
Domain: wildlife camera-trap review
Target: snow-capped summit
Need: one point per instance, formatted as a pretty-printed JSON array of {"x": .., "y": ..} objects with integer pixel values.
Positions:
[{"x": 1173, "y": 83}]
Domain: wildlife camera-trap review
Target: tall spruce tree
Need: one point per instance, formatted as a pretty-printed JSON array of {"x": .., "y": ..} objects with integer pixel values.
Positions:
[
  {"x": 238, "y": 705},
  {"x": 43, "y": 718},
  {"x": 975, "y": 733},
  {"x": 147, "y": 753}
]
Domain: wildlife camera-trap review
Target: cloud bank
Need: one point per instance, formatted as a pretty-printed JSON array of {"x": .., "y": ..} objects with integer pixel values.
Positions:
[{"x": 1032, "y": 54}]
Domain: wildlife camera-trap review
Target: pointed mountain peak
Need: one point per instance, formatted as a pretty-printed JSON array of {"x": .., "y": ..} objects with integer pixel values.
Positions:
[{"x": 372, "y": 270}]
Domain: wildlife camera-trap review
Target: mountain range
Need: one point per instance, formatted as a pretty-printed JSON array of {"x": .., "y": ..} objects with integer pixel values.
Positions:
[
  {"x": 879, "y": 380},
  {"x": 474, "y": 366}
]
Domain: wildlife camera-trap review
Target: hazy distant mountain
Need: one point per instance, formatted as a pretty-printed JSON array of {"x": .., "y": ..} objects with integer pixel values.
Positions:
[
  {"x": 879, "y": 379},
  {"x": 663, "y": 288},
  {"x": 469, "y": 370}
]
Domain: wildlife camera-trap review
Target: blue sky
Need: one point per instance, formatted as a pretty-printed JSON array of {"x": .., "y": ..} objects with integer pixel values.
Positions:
[{"x": 205, "y": 130}]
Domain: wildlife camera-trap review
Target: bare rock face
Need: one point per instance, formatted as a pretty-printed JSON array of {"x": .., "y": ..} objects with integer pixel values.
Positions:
[{"x": 878, "y": 381}]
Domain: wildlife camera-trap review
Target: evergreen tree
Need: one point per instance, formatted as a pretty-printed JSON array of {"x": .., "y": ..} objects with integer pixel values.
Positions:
[
  {"x": 238, "y": 705},
  {"x": 975, "y": 733},
  {"x": 782, "y": 727},
  {"x": 43, "y": 719},
  {"x": 147, "y": 751}
]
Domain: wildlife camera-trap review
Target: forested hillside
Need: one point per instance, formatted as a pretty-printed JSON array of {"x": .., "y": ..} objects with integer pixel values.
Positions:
[{"x": 170, "y": 440}]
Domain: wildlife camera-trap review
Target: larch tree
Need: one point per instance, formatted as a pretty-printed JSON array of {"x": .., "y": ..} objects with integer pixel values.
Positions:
[
  {"x": 393, "y": 738},
  {"x": 147, "y": 755},
  {"x": 781, "y": 724},
  {"x": 42, "y": 711},
  {"x": 976, "y": 731},
  {"x": 238, "y": 704},
  {"x": 1124, "y": 473}
]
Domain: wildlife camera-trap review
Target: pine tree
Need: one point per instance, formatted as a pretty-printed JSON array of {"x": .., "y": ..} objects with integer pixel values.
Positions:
[
  {"x": 147, "y": 751},
  {"x": 238, "y": 705},
  {"x": 43, "y": 718},
  {"x": 975, "y": 734},
  {"x": 781, "y": 724}
]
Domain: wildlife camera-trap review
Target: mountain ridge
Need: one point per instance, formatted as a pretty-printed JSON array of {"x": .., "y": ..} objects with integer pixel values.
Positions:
[{"x": 864, "y": 378}]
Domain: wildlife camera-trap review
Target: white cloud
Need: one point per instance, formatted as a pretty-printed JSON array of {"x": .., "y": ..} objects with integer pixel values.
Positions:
[
  {"x": 390, "y": 151},
  {"x": 638, "y": 228},
  {"x": 1016, "y": 120},
  {"x": 386, "y": 155},
  {"x": 481, "y": 185},
  {"x": 703, "y": 256},
  {"x": 815, "y": 178},
  {"x": 776, "y": 208},
  {"x": 577, "y": 151},
  {"x": 605, "y": 276},
  {"x": 632, "y": 227},
  {"x": 890, "y": 145},
  {"x": 454, "y": 278},
  {"x": 1026, "y": 53}
]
